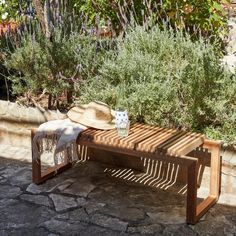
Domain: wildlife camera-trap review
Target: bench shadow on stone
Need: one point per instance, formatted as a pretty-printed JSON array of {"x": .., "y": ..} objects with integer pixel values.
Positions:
[
  {"x": 156, "y": 175},
  {"x": 147, "y": 172}
]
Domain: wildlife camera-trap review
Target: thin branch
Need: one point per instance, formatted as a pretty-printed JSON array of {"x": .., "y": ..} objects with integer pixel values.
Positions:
[{"x": 72, "y": 78}]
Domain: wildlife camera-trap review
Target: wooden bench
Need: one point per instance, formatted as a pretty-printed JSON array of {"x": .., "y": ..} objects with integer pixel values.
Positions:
[{"x": 168, "y": 145}]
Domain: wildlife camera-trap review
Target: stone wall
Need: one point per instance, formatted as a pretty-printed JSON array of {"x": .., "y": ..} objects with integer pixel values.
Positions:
[{"x": 17, "y": 120}]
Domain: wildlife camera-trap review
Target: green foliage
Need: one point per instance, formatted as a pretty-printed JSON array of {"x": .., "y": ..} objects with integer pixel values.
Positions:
[
  {"x": 156, "y": 71},
  {"x": 163, "y": 77},
  {"x": 53, "y": 64},
  {"x": 209, "y": 16},
  {"x": 97, "y": 9},
  {"x": 8, "y": 10},
  {"x": 206, "y": 16}
]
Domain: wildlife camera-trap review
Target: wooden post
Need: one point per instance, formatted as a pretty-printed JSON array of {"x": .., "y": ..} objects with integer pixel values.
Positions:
[
  {"x": 215, "y": 171},
  {"x": 36, "y": 163},
  {"x": 215, "y": 174}
]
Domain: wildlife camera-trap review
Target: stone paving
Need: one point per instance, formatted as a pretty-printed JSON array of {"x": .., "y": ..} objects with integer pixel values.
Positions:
[{"x": 88, "y": 200}]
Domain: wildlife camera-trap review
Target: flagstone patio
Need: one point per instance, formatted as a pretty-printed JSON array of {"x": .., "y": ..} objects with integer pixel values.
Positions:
[{"x": 90, "y": 199}]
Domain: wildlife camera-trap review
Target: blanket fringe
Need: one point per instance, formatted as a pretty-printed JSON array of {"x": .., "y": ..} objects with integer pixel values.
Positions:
[
  {"x": 46, "y": 142},
  {"x": 57, "y": 137}
]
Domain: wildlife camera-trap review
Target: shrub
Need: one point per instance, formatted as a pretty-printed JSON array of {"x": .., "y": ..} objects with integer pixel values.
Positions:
[
  {"x": 164, "y": 78},
  {"x": 52, "y": 64}
]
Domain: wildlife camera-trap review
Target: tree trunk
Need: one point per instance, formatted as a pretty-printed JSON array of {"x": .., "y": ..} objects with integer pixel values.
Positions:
[
  {"x": 40, "y": 13},
  {"x": 43, "y": 15},
  {"x": 49, "y": 101},
  {"x": 69, "y": 96},
  {"x": 47, "y": 18}
]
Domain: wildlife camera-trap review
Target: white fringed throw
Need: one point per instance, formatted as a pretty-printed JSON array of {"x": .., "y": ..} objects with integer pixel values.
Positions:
[{"x": 60, "y": 136}]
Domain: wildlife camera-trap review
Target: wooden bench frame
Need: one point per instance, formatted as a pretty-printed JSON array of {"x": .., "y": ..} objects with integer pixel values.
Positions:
[{"x": 194, "y": 210}]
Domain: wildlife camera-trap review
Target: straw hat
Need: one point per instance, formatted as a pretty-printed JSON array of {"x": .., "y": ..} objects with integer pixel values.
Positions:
[{"x": 95, "y": 114}]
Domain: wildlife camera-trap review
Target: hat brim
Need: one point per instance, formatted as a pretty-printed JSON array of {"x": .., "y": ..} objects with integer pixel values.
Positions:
[{"x": 75, "y": 114}]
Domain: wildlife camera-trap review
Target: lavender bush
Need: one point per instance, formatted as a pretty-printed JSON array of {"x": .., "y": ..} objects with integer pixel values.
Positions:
[{"x": 164, "y": 78}]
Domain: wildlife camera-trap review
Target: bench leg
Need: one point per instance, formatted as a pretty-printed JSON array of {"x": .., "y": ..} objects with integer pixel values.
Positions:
[
  {"x": 39, "y": 177},
  {"x": 36, "y": 170},
  {"x": 192, "y": 193},
  {"x": 194, "y": 211},
  {"x": 215, "y": 172}
]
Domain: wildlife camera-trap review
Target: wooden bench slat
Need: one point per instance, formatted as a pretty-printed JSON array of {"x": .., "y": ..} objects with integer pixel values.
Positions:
[
  {"x": 133, "y": 132},
  {"x": 138, "y": 136},
  {"x": 106, "y": 135},
  {"x": 99, "y": 133},
  {"x": 171, "y": 141},
  {"x": 185, "y": 141},
  {"x": 189, "y": 147},
  {"x": 182, "y": 141},
  {"x": 146, "y": 138},
  {"x": 114, "y": 139},
  {"x": 176, "y": 144},
  {"x": 150, "y": 143},
  {"x": 111, "y": 138}
]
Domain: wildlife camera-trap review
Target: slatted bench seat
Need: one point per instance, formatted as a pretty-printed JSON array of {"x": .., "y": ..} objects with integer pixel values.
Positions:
[{"x": 169, "y": 145}]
